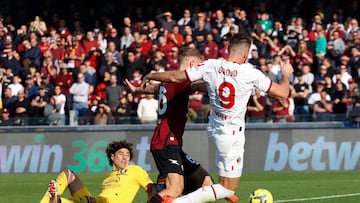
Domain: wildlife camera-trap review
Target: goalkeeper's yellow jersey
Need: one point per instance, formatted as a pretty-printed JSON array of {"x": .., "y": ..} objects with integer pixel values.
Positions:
[{"x": 122, "y": 186}]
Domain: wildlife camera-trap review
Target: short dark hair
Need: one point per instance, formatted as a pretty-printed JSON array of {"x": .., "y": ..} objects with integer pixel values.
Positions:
[
  {"x": 242, "y": 38},
  {"x": 113, "y": 147}
]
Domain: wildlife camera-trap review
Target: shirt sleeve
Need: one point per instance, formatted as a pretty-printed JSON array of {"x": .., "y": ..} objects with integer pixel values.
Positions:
[
  {"x": 197, "y": 72},
  {"x": 142, "y": 177},
  {"x": 263, "y": 82}
]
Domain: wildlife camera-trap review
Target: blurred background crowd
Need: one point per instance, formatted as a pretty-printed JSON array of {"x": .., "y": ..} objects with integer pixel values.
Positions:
[{"x": 65, "y": 59}]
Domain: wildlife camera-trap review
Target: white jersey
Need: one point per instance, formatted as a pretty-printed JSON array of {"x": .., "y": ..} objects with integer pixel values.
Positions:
[{"x": 229, "y": 87}]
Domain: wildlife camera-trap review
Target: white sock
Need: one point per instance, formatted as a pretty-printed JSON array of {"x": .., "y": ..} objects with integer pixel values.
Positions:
[{"x": 205, "y": 194}]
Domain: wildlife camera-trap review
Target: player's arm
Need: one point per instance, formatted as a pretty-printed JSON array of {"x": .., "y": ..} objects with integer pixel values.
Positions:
[
  {"x": 175, "y": 76},
  {"x": 199, "y": 86},
  {"x": 148, "y": 89},
  {"x": 281, "y": 90}
]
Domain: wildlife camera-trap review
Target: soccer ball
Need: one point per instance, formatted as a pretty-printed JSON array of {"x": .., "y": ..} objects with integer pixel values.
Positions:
[{"x": 261, "y": 196}]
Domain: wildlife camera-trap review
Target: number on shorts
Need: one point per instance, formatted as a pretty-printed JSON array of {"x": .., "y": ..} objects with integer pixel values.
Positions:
[{"x": 227, "y": 95}]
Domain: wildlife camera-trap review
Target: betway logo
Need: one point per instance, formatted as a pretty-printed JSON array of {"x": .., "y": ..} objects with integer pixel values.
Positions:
[{"x": 318, "y": 156}]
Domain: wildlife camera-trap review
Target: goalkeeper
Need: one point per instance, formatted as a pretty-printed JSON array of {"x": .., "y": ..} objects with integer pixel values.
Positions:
[{"x": 121, "y": 185}]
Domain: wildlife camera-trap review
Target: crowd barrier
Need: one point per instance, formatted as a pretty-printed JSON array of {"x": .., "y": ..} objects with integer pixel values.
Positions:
[{"x": 321, "y": 146}]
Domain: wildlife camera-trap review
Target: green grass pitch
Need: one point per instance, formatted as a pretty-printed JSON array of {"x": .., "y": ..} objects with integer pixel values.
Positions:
[{"x": 328, "y": 187}]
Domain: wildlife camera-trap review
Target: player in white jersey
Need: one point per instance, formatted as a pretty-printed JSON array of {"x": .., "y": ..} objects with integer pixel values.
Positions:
[{"x": 229, "y": 83}]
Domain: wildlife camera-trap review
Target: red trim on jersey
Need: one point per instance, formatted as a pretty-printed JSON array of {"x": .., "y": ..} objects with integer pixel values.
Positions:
[
  {"x": 269, "y": 86},
  {"x": 187, "y": 76},
  {"x": 213, "y": 191}
]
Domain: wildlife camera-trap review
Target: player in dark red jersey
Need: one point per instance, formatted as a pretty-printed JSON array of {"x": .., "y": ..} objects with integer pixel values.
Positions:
[{"x": 166, "y": 144}]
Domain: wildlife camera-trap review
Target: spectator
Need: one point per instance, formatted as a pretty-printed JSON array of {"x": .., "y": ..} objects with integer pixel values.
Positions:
[
  {"x": 224, "y": 50},
  {"x": 38, "y": 26},
  {"x": 60, "y": 101},
  {"x": 126, "y": 39},
  {"x": 323, "y": 108},
  {"x": 245, "y": 24},
  {"x": 44, "y": 45},
  {"x": 352, "y": 28},
  {"x": 116, "y": 56},
  {"x": 338, "y": 97},
  {"x": 90, "y": 43},
  {"x": 23, "y": 110},
  {"x": 65, "y": 79},
  {"x": 256, "y": 108},
  {"x": 219, "y": 20},
  {"x": 16, "y": 86},
  {"x": 300, "y": 93},
  {"x": 185, "y": 20},
  {"x": 38, "y": 104},
  {"x": 80, "y": 91},
  {"x": 147, "y": 109},
  {"x": 165, "y": 20},
  {"x": 132, "y": 65},
  {"x": 199, "y": 35},
  {"x": 303, "y": 55},
  {"x": 226, "y": 27},
  {"x": 174, "y": 37},
  {"x": 9, "y": 59},
  {"x": 31, "y": 90},
  {"x": 211, "y": 49},
  {"x": 32, "y": 52},
  {"x": 48, "y": 85},
  {"x": 8, "y": 100},
  {"x": 343, "y": 75},
  {"x": 113, "y": 93},
  {"x": 281, "y": 110},
  {"x": 354, "y": 110},
  {"x": 307, "y": 76},
  {"x": 315, "y": 95},
  {"x": 339, "y": 44},
  {"x": 56, "y": 50},
  {"x": 5, "y": 119},
  {"x": 103, "y": 113},
  {"x": 102, "y": 42},
  {"x": 320, "y": 42},
  {"x": 89, "y": 73},
  {"x": 52, "y": 113},
  {"x": 173, "y": 59},
  {"x": 265, "y": 22},
  {"x": 195, "y": 107},
  {"x": 49, "y": 68},
  {"x": 75, "y": 54},
  {"x": 123, "y": 111}
]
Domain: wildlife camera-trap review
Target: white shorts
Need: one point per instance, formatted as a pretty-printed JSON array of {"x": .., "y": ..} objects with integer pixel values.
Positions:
[{"x": 229, "y": 142}]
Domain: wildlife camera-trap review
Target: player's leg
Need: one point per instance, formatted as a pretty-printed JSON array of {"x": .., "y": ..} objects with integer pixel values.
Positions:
[
  {"x": 229, "y": 157},
  {"x": 66, "y": 179},
  {"x": 195, "y": 176},
  {"x": 169, "y": 164}
]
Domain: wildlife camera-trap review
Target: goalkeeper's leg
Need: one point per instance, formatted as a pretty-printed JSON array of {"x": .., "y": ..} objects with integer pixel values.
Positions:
[{"x": 66, "y": 179}]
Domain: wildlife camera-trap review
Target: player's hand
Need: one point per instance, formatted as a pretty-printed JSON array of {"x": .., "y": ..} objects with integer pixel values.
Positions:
[
  {"x": 146, "y": 81},
  {"x": 286, "y": 68}
]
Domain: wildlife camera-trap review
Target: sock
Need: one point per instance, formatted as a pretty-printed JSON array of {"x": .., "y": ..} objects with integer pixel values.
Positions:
[
  {"x": 206, "y": 194},
  {"x": 155, "y": 199},
  {"x": 63, "y": 180}
]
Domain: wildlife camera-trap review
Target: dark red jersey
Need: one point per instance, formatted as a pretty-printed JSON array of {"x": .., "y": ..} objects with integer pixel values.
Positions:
[{"x": 173, "y": 108}]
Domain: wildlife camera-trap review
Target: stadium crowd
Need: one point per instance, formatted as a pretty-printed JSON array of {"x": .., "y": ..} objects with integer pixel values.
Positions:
[{"x": 62, "y": 67}]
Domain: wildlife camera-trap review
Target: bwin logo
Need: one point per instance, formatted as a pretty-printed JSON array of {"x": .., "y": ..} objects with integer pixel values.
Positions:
[{"x": 172, "y": 161}]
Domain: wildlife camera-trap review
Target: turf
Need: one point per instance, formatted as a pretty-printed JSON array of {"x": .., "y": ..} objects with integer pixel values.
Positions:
[{"x": 16, "y": 188}]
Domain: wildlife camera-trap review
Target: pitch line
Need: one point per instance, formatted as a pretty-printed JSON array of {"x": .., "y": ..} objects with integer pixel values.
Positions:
[{"x": 317, "y": 198}]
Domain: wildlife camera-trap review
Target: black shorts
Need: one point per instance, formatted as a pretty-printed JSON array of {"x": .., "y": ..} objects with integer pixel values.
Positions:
[{"x": 172, "y": 159}]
